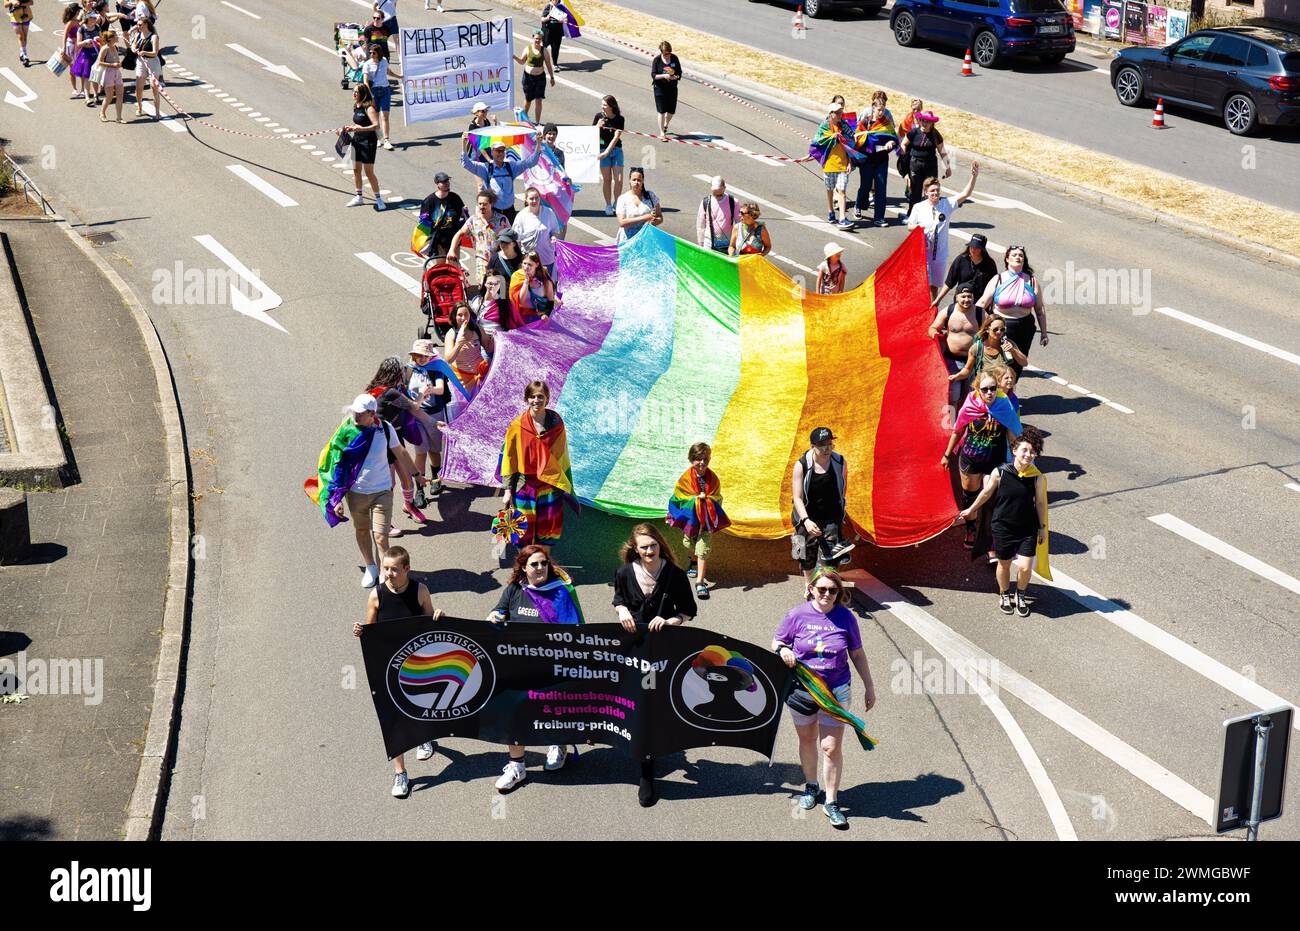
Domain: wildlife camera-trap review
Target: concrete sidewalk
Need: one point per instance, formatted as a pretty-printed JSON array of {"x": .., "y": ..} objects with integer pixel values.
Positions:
[{"x": 93, "y": 590}]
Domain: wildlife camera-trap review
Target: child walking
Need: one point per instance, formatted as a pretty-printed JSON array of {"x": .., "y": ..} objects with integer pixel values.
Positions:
[{"x": 695, "y": 509}]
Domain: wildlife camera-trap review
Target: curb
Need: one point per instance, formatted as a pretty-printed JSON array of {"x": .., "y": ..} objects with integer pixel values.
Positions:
[
  {"x": 143, "y": 820},
  {"x": 809, "y": 109}
]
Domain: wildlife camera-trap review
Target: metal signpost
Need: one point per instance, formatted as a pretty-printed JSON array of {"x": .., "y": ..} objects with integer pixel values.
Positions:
[{"x": 1252, "y": 770}]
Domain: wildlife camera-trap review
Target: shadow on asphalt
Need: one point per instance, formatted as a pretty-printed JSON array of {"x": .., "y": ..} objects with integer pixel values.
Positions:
[
  {"x": 456, "y": 580},
  {"x": 896, "y": 800},
  {"x": 588, "y": 66},
  {"x": 1050, "y": 404},
  {"x": 24, "y": 827},
  {"x": 42, "y": 553}
]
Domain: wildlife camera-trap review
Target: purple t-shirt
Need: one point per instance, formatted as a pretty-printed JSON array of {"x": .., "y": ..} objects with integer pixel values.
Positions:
[{"x": 822, "y": 642}]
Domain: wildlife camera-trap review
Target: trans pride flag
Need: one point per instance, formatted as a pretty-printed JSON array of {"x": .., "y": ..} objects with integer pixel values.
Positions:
[{"x": 660, "y": 344}]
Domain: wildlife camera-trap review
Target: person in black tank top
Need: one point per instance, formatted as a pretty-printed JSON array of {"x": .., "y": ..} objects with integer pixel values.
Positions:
[
  {"x": 1019, "y": 518},
  {"x": 364, "y": 129},
  {"x": 399, "y": 596}
]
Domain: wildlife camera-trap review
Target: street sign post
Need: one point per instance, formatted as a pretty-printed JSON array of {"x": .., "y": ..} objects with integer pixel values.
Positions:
[{"x": 1252, "y": 770}]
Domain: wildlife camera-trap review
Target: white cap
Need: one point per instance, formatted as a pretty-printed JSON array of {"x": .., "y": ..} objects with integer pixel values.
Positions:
[
  {"x": 479, "y": 106},
  {"x": 831, "y": 249},
  {"x": 717, "y": 181},
  {"x": 362, "y": 403}
]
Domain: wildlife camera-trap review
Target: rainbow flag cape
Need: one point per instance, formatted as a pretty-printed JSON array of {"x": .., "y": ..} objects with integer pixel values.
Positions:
[
  {"x": 557, "y": 600},
  {"x": 825, "y": 138},
  {"x": 871, "y": 136},
  {"x": 423, "y": 232},
  {"x": 975, "y": 407},
  {"x": 340, "y": 464},
  {"x": 815, "y": 686},
  {"x": 660, "y": 343},
  {"x": 524, "y": 452},
  {"x": 690, "y": 513}
]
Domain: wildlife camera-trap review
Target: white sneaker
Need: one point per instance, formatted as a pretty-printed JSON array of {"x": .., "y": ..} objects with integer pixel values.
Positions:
[
  {"x": 556, "y": 757},
  {"x": 370, "y": 577},
  {"x": 424, "y": 751},
  {"x": 379, "y": 202},
  {"x": 512, "y": 776},
  {"x": 356, "y": 201},
  {"x": 401, "y": 785},
  {"x": 386, "y": 144},
  {"x": 609, "y": 210}
]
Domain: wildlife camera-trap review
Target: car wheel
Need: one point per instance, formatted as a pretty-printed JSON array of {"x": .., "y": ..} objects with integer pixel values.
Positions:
[
  {"x": 1240, "y": 115},
  {"x": 815, "y": 9},
  {"x": 1128, "y": 87},
  {"x": 1054, "y": 59},
  {"x": 985, "y": 49},
  {"x": 905, "y": 29}
]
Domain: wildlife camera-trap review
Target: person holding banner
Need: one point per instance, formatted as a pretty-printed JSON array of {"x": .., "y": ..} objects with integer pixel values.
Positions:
[
  {"x": 637, "y": 207},
  {"x": 822, "y": 634},
  {"x": 717, "y": 216},
  {"x": 398, "y": 596},
  {"x": 498, "y": 175},
  {"x": 539, "y": 592},
  {"x": 537, "y": 70},
  {"x": 651, "y": 592}
]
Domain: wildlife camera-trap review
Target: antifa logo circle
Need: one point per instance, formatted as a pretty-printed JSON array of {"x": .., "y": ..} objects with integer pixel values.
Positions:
[
  {"x": 718, "y": 689},
  {"x": 440, "y": 676}
]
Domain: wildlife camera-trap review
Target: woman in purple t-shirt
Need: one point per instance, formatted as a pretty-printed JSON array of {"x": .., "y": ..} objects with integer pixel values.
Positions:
[{"x": 823, "y": 634}]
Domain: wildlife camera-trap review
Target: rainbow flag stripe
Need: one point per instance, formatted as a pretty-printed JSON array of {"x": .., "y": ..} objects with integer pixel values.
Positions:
[
  {"x": 815, "y": 686},
  {"x": 453, "y": 666},
  {"x": 660, "y": 344}
]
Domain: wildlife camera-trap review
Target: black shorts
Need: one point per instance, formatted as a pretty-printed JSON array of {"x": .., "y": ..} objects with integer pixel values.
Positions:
[
  {"x": 1009, "y": 546},
  {"x": 534, "y": 86},
  {"x": 966, "y": 467},
  {"x": 818, "y": 549}
]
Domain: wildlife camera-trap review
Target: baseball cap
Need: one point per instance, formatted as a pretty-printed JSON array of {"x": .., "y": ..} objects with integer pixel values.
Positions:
[
  {"x": 362, "y": 403},
  {"x": 831, "y": 108},
  {"x": 965, "y": 288},
  {"x": 979, "y": 241},
  {"x": 440, "y": 177},
  {"x": 821, "y": 435},
  {"x": 507, "y": 236},
  {"x": 479, "y": 106}
]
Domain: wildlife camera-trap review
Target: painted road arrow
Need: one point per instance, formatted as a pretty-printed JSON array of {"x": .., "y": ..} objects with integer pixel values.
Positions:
[
  {"x": 10, "y": 97},
  {"x": 282, "y": 70},
  {"x": 242, "y": 303}
]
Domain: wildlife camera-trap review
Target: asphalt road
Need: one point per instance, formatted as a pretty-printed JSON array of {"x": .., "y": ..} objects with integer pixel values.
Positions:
[
  {"x": 1104, "y": 717},
  {"x": 1072, "y": 101}
]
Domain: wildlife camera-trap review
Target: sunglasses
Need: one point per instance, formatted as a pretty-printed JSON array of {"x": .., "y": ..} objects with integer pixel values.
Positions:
[
  {"x": 824, "y": 590},
  {"x": 991, "y": 389}
]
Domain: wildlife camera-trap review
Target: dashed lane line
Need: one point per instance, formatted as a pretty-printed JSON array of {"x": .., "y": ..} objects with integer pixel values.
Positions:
[
  {"x": 265, "y": 187},
  {"x": 1052, "y": 376},
  {"x": 239, "y": 9}
]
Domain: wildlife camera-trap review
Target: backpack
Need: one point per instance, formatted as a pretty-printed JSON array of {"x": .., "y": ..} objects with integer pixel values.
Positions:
[{"x": 708, "y": 212}]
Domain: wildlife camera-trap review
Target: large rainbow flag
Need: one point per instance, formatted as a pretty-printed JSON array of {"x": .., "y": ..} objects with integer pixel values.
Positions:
[{"x": 659, "y": 344}]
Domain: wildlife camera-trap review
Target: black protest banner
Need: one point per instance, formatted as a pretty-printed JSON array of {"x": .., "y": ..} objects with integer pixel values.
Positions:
[{"x": 537, "y": 684}]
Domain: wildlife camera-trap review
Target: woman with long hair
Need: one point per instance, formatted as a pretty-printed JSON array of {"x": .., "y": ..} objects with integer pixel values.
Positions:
[
  {"x": 539, "y": 592},
  {"x": 532, "y": 292},
  {"x": 651, "y": 592},
  {"x": 535, "y": 467},
  {"x": 611, "y": 123},
  {"x": 1014, "y": 297},
  {"x": 466, "y": 351},
  {"x": 397, "y": 407},
  {"x": 365, "y": 143}
]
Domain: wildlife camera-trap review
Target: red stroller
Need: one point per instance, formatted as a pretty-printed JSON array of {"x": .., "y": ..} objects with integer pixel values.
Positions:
[{"x": 442, "y": 287}]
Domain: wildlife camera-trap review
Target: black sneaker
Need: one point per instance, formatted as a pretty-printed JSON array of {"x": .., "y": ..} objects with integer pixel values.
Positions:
[
  {"x": 419, "y": 499},
  {"x": 839, "y": 550},
  {"x": 1004, "y": 602},
  {"x": 435, "y": 489},
  {"x": 1022, "y": 606}
]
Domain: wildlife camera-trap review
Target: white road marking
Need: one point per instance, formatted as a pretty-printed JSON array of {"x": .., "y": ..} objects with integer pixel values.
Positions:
[
  {"x": 1168, "y": 644},
  {"x": 28, "y": 95},
  {"x": 32, "y": 27},
  {"x": 283, "y": 70},
  {"x": 812, "y": 223},
  {"x": 802, "y": 268},
  {"x": 739, "y": 150},
  {"x": 270, "y": 190},
  {"x": 390, "y": 271},
  {"x": 947, "y": 640},
  {"x": 1002, "y": 203},
  {"x": 173, "y": 122},
  {"x": 1227, "y": 551},
  {"x": 240, "y": 302},
  {"x": 239, "y": 9},
  {"x": 324, "y": 48},
  {"x": 1052, "y": 376},
  {"x": 262, "y": 119},
  {"x": 601, "y": 238},
  {"x": 578, "y": 49},
  {"x": 1293, "y": 486},
  {"x": 578, "y": 87},
  {"x": 246, "y": 110},
  {"x": 1230, "y": 334}
]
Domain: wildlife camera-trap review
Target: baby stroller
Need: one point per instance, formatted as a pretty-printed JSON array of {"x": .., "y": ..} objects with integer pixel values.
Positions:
[
  {"x": 351, "y": 46},
  {"x": 442, "y": 286}
]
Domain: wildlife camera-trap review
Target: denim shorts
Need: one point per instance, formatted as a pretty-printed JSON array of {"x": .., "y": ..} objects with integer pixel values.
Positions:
[
  {"x": 383, "y": 97},
  {"x": 613, "y": 160},
  {"x": 843, "y": 694},
  {"x": 836, "y": 180}
]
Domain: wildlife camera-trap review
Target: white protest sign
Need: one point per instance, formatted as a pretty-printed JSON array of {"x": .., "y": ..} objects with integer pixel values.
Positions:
[
  {"x": 448, "y": 69},
  {"x": 581, "y": 148}
]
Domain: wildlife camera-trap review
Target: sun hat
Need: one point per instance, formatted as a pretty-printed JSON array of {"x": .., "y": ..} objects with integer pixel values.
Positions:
[{"x": 832, "y": 249}]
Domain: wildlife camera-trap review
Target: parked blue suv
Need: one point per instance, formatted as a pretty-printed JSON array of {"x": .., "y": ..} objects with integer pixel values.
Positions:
[{"x": 994, "y": 30}]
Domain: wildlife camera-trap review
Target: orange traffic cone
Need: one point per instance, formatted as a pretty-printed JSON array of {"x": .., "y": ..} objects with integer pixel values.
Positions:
[
  {"x": 797, "y": 22},
  {"x": 966, "y": 70},
  {"x": 1158, "y": 118}
]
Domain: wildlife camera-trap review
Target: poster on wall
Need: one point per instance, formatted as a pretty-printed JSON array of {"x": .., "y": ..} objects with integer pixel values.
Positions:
[
  {"x": 1092, "y": 18},
  {"x": 1157, "y": 16},
  {"x": 1176, "y": 25},
  {"x": 1112, "y": 19},
  {"x": 1135, "y": 22},
  {"x": 1076, "y": 13}
]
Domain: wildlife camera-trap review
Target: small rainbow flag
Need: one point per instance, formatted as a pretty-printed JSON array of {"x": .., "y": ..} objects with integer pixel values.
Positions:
[
  {"x": 815, "y": 686},
  {"x": 420, "y": 673}
]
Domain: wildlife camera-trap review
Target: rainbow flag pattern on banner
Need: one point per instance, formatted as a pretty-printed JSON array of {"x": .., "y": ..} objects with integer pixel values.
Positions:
[
  {"x": 660, "y": 344},
  {"x": 420, "y": 673}
]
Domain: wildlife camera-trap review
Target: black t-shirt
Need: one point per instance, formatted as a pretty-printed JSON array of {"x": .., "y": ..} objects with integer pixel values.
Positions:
[
  {"x": 979, "y": 275},
  {"x": 824, "y": 497},
  {"x": 607, "y": 131},
  {"x": 446, "y": 215},
  {"x": 506, "y": 267},
  {"x": 375, "y": 34},
  {"x": 1015, "y": 510},
  {"x": 517, "y": 606}
]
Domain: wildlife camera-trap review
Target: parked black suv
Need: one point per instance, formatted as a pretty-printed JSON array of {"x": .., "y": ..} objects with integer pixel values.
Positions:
[{"x": 1249, "y": 74}]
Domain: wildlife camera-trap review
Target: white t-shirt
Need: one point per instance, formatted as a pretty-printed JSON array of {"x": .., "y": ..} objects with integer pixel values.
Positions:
[
  {"x": 376, "y": 474},
  {"x": 388, "y": 8},
  {"x": 377, "y": 71},
  {"x": 629, "y": 205},
  {"x": 927, "y": 217},
  {"x": 535, "y": 232}
]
